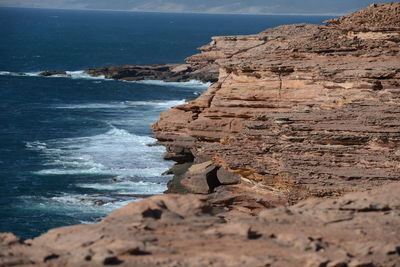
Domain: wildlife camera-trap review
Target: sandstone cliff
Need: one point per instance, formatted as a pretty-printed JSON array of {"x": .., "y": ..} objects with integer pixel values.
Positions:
[{"x": 300, "y": 108}]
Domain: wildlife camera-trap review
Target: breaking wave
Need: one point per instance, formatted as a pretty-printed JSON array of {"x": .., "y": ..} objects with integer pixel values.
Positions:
[
  {"x": 189, "y": 84},
  {"x": 123, "y": 104},
  {"x": 116, "y": 152}
]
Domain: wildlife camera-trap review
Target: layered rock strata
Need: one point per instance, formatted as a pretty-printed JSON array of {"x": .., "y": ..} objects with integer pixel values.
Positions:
[{"x": 302, "y": 108}]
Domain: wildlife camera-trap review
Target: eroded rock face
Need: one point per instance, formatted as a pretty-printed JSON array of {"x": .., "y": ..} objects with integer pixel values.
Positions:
[
  {"x": 304, "y": 109},
  {"x": 358, "y": 229}
]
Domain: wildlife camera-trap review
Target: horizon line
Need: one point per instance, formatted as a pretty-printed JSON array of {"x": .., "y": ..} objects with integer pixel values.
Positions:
[{"x": 185, "y": 12}]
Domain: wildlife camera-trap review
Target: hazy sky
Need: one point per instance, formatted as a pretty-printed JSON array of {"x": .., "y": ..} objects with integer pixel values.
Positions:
[{"x": 205, "y": 6}]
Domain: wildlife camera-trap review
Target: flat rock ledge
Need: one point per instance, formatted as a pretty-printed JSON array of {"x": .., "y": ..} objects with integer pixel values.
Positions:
[{"x": 357, "y": 229}]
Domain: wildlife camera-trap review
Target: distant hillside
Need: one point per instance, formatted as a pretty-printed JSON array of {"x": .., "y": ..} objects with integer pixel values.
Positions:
[{"x": 206, "y": 6}]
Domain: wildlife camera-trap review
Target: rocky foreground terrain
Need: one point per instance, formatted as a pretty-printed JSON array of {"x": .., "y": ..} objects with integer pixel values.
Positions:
[
  {"x": 293, "y": 157},
  {"x": 359, "y": 229}
]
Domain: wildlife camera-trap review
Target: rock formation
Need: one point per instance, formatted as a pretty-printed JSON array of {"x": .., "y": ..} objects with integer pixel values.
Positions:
[
  {"x": 199, "y": 71},
  {"x": 300, "y": 117},
  {"x": 53, "y": 73},
  {"x": 165, "y": 72},
  {"x": 300, "y": 108},
  {"x": 358, "y": 229}
]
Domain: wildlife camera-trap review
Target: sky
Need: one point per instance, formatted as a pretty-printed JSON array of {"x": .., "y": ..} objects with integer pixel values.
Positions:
[{"x": 205, "y": 6}]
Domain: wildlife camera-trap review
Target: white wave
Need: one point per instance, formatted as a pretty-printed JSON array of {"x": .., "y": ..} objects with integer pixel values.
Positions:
[
  {"x": 11, "y": 73},
  {"x": 80, "y": 74},
  {"x": 85, "y": 200},
  {"x": 116, "y": 153},
  {"x": 84, "y": 203},
  {"x": 166, "y": 104},
  {"x": 189, "y": 84},
  {"x": 30, "y": 74},
  {"x": 128, "y": 187},
  {"x": 77, "y": 205},
  {"x": 35, "y": 74},
  {"x": 125, "y": 104}
]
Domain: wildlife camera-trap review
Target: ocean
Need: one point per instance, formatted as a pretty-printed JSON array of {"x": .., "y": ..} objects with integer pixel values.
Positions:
[{"x": 74, "y": 149}]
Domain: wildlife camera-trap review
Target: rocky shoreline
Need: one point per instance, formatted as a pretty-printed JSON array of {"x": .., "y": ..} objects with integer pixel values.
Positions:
[
  {"x": 293, "y": 156},
  {"x": 199, "y": 71}
]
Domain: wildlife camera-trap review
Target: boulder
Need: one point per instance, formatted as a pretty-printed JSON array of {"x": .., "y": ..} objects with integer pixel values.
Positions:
[{"x": 201, "y": 178}]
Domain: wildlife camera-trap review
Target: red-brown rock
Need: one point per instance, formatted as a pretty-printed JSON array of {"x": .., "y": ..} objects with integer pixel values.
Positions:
[
  {"x": 182, "y": 230},
  {"x": 304, "y": 109}
]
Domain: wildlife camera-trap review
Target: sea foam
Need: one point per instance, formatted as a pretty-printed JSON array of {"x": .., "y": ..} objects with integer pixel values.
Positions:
[
  {"x": 188, "y": 84},
  {"x": 128, "y": 187},
  {"x": 129, "y": 166},
  {"x": 117, "y": 153}
]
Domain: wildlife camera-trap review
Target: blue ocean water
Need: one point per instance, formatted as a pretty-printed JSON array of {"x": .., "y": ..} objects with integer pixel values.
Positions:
[{"x": 74, "y": 149}]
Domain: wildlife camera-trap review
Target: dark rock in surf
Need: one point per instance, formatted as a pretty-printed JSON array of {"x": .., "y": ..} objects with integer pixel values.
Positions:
[
  {"x": 162, "y": 72},
  {"x": 52, "y": 73}
]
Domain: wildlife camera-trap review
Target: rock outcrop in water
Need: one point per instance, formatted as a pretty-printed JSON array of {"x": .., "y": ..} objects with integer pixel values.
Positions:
[
  {"x": 200, "y": 71},
  {"x": 298, "y": 111},
  {"x": 163, "y": 72},
  {"x": 53, "y": 73}
]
